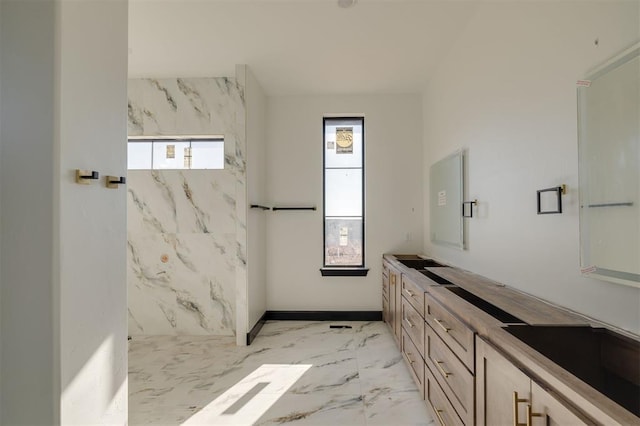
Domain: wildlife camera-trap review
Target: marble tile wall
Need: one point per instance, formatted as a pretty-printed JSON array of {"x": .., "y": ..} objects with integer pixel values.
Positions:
[{"x": 184, "y": 254}]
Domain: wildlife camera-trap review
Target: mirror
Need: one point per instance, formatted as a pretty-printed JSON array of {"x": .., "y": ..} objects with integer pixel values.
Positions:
[
  {"x": 445, "y": 200},
  {"x": 609, "y": 155}
]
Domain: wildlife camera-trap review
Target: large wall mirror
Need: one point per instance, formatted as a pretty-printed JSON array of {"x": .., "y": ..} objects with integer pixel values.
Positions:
[
  {"x": 445, "y": 200},
  {"x": 609, "y": 151}
]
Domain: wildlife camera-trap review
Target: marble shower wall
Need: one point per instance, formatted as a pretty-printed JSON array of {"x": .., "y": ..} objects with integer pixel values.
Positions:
[{"x": 186, "y": 239}]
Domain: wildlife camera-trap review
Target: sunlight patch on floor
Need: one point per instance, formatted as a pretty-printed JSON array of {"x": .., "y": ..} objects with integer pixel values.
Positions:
[{"x": 250, "y": 398}]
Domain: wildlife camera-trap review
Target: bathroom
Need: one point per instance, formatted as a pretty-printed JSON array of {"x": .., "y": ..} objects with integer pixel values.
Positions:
[{"x": 501, "y": 84}]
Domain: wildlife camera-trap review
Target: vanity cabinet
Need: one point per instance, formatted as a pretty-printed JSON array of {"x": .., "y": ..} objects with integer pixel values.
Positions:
[
  {"x": 470, "y": 346},
  {"x": 412, "y": 324},
  {"x": 385, "y": 292},
  {"x": 394, "y": 300},
  {"x": 505, "y": 395}
]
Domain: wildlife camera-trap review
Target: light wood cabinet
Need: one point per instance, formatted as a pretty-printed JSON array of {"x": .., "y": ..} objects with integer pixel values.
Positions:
[
  {"x": 474, "y": 370},
  {"x": 506, "y": 396},
  {"x": 395, "y": 304},
  {"x": 413, "y": 324},
  {"x": 547, "y": 410},
  {"x": 456, "y": 382},
  {"x": 455, "y": 333},
  {"x": 440, "y": 406},
  {"x": 412, "y": 357},
  {"x": 414, "y": 294},
  {"x": 385, "y": 292}
]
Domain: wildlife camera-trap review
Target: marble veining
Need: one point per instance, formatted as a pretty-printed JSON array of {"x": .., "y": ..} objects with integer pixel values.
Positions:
[
  {"x": 193, "y": 219},
  {"x": 348, "y": 377}
]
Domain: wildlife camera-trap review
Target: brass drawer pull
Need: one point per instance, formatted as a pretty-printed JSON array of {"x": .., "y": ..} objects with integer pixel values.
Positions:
[
  {"x": 440, "y": 419},
  {"x": 441, "y": 324},
  {"x": 409, "y": 292},
  {"x": 531, "y": 415},
  {"x": 516, "y": 401},
  {"x": 409, "y": 322},
  {"x": 445, "y": 373}
]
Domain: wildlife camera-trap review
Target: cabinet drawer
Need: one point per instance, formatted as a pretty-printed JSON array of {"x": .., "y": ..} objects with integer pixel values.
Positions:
[
  {"x": 452, "y": 331},
  {"x": 414, "y": 294},
  {"x": 444, "y": 413},
  {"x": 452, "y": 375},
  {"x": 415, "y": 362},
  {"x": 413, "y": 323}
]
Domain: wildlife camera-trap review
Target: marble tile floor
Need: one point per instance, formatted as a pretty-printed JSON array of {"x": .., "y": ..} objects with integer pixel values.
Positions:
[{"x": 294, "y": 373}]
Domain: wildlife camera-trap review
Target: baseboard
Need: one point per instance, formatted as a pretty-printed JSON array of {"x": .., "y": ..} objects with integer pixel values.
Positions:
[
  {"x": 256, "y": 329},
  {"x": 323, "y": 315}
]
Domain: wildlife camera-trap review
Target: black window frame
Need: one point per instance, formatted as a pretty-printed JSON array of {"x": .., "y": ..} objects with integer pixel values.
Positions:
[{"x": 342, "y": 270}]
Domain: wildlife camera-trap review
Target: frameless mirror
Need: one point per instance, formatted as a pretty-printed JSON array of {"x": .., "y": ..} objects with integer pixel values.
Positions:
[
  {"x": 445, "y": 200},
  {"x": 609, "y": 154}
]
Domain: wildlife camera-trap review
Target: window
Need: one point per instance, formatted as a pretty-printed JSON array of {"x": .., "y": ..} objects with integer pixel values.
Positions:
[
  {"x": 343, "y": 196},
  {"x": 174, "y": 154}
]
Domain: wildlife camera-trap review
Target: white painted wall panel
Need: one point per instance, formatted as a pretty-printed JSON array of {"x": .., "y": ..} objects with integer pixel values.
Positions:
[
  {"x": 393, "y": 206},
  {"x": 507, "y": 94}
]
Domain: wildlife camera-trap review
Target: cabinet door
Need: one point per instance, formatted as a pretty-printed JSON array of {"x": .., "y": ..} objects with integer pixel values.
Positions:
[
  {"x": 385, "y": 280},
  {"x": 385, "y": 309},
  {"x": 547, "y": 410},
  {"x": 498, "y": 384},
  {"x": 395, "y": 304}
]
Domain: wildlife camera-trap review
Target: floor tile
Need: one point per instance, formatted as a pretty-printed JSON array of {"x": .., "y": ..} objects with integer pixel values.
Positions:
[{"x": 295, "y": 372}]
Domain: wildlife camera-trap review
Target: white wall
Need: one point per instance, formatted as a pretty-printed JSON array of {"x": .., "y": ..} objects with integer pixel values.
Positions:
[
  {"x": 92, "y": 126},
  {"x": 29, "y": 383},
  {"x": 393, "y": 209},
  {"x": 64, "y": 335},
  {"x": 256, "y": 104},
  {"x": 507, "y": 94}
]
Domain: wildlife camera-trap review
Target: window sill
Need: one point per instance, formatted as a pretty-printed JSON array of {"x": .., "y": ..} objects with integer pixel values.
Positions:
[{"x": 344, "y": 272}]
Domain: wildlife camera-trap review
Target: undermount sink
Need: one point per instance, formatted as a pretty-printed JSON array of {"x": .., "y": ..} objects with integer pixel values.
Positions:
[
  {"x": 435, "y": 277},
  {"x": 485, "y": 306},
  {"x": 605, "y": 360},
  {"x": 419, "y": 263}
]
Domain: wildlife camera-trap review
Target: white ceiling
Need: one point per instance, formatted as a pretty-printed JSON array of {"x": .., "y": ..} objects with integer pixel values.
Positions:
[{"x": 297, "y": 46}]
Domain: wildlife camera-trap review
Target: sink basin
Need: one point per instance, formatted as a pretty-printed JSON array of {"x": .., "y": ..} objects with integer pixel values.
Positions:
[
  {"x": 419, "y": 263},
  {"x": 436, "y": 278},
  {"x": 407, "y": 256},
  {"x": 607, "y": 361},
  {"x": 485, "y": 306}
]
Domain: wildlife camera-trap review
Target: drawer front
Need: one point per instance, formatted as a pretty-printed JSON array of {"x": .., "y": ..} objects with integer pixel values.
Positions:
[
  {"x": 452, "y": 375},
  {"x": 413, "y": 323},
  {"x": 414, "y": 361},
  {"x": 453, "y": 331},
  {"x": 414, "y": 294},
  {"x": 444, "y": 412}
]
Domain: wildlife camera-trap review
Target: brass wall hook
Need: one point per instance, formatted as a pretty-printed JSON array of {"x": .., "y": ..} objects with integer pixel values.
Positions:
[
  {"x": 112, "y": 182},
  {"x": 84, "y": 177}
]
